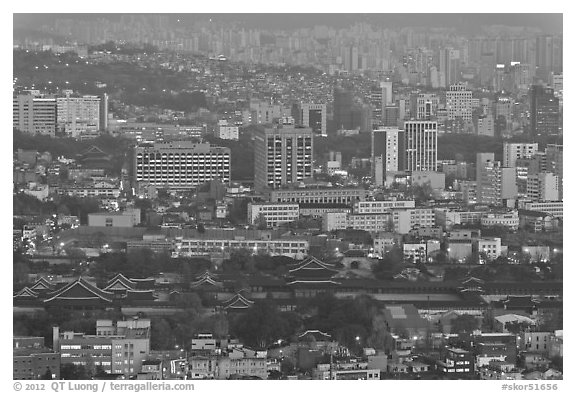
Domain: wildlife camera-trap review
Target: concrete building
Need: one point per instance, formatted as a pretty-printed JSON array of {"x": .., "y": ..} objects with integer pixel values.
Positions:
[
  {"x": 496, "y": 185},
  {"x": 226, "y": 131},
  {"x": 34, "y": 114},
  {"x": 324, "y": 195},
  {"x": 555, "y": 165},
  {"x": 388, "y": 154},
  {"x": 426, "y": 106},
  {"x": 180, "y": 165},
  {"x": 459, "y": 103},
  {"x": 118, "y": 348},
  {"x": 32, "y": 360},
  {"x": 554, "y": 208},
  {"x": 436, "y": 180},
  {"x": 491, "y": 247},
  {"x": 509, "y": 220},
  {"x": 515, "y": 151},
  {"x": 332, "y": 221},
  {"x": 421, "y": 145},
  {"x": 282, "y": 155},
  {"x": 310, "y": 116},
  {"x": 274, "y": 214},
  {"x": 544, "y": 111},
  {"x": 380, "y": 207},
  {"x": 543, "y": 187},
  {"x": 126, "y": 219},
  {"x": 78, "y": 116}
]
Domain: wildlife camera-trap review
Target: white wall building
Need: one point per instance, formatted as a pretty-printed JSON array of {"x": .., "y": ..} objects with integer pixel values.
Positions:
[{"x": 275, "y": 214}]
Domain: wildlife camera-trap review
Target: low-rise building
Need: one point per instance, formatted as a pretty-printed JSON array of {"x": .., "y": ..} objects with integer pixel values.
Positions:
[
  {"x": 381, "y": 207},
  {"x": 127, "y": 218},
  {"x": 273, "y": 214},
  {"x": 509, "y": 220},
  {"x": 32, "y": 360}
]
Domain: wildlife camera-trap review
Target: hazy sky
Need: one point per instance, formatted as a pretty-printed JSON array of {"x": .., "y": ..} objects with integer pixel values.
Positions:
[{"x": 466, "y": 23}]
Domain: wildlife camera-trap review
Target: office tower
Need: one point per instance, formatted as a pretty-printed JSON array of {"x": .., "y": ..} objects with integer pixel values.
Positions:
[
  {"x": 421, "y": 145},
  {"x": 459, "y": 102},
  {"x": 34, "y": 114},
  {"x": 377, "y": 103},
  {"x": 104, "y": 112},
  {"x": 282, "y": 155},
  {"x": 310, "y": 115},
  {"x": 78, "y": 116},
  {"x": 342, "y": 109},
  {"x": 181, "y": 164},
  {"x": 495, "y": 185},
  {"x": 515, "y": 151},
  {"x": 481, "y": 160},
  {"x": 543, "y": 187},
  {"x": 544, "y": 111},
  {"x": 554, "y": 164},
  {"x": 388, "y": 153},
  {"x": 390, "y": 116},
  {"x": 484, "y": 125},
  {"x": 426, "y": 106}
]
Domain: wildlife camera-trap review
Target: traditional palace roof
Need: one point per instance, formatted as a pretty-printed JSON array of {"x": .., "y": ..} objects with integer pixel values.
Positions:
[
  {"x": 237, "y": 301},
  {"x": 80, "y": 290},
  {"x": 26, "y": 293},
  {"x": 206, "y": 279},
  {"x": 42, "y": 285},
  {"x": 311, "y": 270},
  {"x": 120, "y": 283},
  {"x": 316, "y": 334}
]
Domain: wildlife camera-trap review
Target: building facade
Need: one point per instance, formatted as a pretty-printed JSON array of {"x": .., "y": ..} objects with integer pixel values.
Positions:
[{"x": 421, "y": 145}]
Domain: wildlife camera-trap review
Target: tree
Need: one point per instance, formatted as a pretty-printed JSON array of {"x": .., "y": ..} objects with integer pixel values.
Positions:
[
  {"x": 71, "y": 371},
  {"x": 464, "y": 323},
  {"x": 47, "y": 375},
  {"x": 516, "y": 327},
  {"x": 261, "y": 222}
]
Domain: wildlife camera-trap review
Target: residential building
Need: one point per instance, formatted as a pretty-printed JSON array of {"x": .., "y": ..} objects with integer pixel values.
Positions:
[
  {"x": 274, "y": 214},
  {"x": 34, "y": 114},
  {"x": 456, "y": 361},
  {"x": 78, "y": 116},
  {"x": 181, "y": 164},
  {"x": 421, "y": 145},
  {"x": 555, "y": 165},
  {"x": 496, "y": 184},
  {"x": 426, "y": 106},
  {"x": 282, "y": 155}
]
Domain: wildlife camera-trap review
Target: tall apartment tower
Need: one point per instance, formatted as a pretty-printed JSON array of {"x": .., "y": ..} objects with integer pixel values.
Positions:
[
  {"x": 78, "y": 116},
  {"x": 34, "y": 114},
  {"x": 459, "y": 102},
  {"x": 282, "y": 155},
  {"x": 181, "y": 165},
  {"x": 515, "y": 151},
  {"x": 388, "y": 153},
  {"x": 544, "y": 111},
  {"x": 310, "y": 115},
  {"x": 421, "y": 142},
  {"x": 380, "y": 98},
  {"x": 343, "y": 109}
]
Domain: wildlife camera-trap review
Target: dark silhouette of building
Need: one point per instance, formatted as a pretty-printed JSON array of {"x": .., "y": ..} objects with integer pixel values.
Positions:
[{"x": 544, "y": 111}]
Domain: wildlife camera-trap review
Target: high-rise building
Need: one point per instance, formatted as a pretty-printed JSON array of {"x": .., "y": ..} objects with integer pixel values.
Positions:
[
  {"x": 459, "y": 102},
  {"x": 34, "y": 114},
  {"x": 496, "y": 185},
  {"x": 282, "y": 155},
  {"x": 181, "y": 164},
  {"x": 544, "y": 111},
  {"x": 390, "y": 116},
  {"x": 78, "y": 116},
  {"x": 548, "y": 55},
  {"x": 104, "y": 112},
  {"x": 515, "y": 151},
  {"x": 388, "y": 153},
  {"x": 543, "y": 187},
  {"x": 554, "y": 164},
  {"x": 426, "y": 106},
  {"x": 310, "y": 115},
  {"x": 343, "y": 109},
  {"x": 421, "y": 142}
]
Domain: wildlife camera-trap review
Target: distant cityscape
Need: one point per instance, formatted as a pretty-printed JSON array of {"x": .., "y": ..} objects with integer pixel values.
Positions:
[{"x": 202, "y": 198}]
